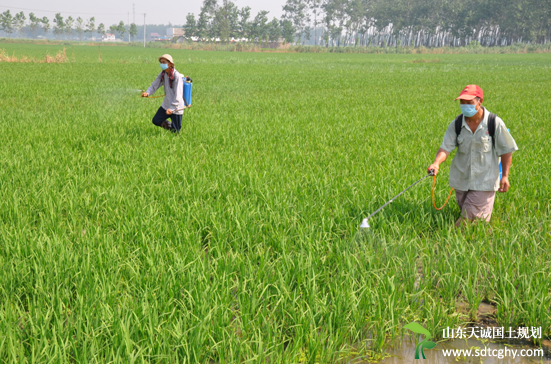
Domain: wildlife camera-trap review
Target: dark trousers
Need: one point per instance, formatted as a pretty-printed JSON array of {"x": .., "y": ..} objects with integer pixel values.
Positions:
[{"x": 161, "y": 116}]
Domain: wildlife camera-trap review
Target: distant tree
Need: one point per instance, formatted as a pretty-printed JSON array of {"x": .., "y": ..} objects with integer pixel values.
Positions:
[
  {"x": 113, "y": 29},
  {"x": 80, "y": 27},
  {"x": 221, "y": 27},
  {"x": 260, "y": 26},
  {"x": 190, "y": 28},
  {"x": 206, "y": 28},
  {"x": 274, "y": 30},
  {"x": 91, "y": 26},
  {"x": 315, "y": 8},
  {"x": 340, "y": 14},
  {"x": 101, "y": 29},
  {"x": 202, "y": 25},
  {"x": 326, "y": 22},
  {"x": 19, "y": 22},
  {"x": 306, "y": 33},
  {"x": 325, "y": 36},
  {"x": 45, "y": 25},
  {"x": 297, "y": 12},
  {"x": 356, "y": 11},
  {"x": 59, "y": 25},
  {"x": 34, "y": 24},
  {"x": 233, "y": 20},
  {"x": 69, "y": 26},
  {"x": 121, "y": 29},
  {"x": 133, "y": 31},
  {"x": 287, "y": 31},
  {"x": 335, "y": 33},
  {"x": 225, "y": 21},
  {"x": 243, "y": 24},
  {"x": 7, "y": 23}
]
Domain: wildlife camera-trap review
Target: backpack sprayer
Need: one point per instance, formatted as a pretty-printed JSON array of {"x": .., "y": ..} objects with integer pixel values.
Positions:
[{"x": 188, "y": 86}]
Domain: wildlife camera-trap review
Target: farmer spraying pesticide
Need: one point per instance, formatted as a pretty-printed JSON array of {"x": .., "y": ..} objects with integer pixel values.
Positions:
[
  {"x": 481, "y": 139},
  {"x": 476, "y": 173},
  {"x": 173, "y": 104}
]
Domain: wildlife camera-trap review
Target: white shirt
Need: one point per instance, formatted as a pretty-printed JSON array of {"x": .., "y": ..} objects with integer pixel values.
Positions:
[{"x": 174, "y": 96}]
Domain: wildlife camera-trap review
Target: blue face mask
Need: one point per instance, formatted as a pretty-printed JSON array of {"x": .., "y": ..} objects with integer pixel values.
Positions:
[
  {"x": 164, "y": 66},
  {"x": 468, "y": 110}
]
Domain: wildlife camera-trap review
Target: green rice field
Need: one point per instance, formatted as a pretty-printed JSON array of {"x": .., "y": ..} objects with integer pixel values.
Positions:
[{"x": 237, "y": 240}]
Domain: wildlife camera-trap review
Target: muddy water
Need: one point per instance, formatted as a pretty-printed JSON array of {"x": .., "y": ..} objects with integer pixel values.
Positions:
[{"x": 403, "y": 352}]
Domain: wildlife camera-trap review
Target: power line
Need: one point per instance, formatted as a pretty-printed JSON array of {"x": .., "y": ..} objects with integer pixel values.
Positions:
[{"x": 62, "y": 12}]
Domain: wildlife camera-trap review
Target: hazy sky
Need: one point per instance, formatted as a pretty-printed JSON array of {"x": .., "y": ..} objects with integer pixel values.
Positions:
[{"x": 112, "y": 11}]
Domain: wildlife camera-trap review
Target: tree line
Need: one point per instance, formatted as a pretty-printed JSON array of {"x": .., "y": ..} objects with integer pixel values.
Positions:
[
  {"x": 384, "y": 23},
  {"x": 226, "y": 21},
  {"x": 62, "y": 28},
  {"x": 336, "y": 23}
]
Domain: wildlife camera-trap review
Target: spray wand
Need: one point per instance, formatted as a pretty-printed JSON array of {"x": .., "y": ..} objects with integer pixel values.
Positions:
[
  {"x": 365, "y": 224},
  {"x": 160, "y": 96},
  {"x": 152, "y": 97}
]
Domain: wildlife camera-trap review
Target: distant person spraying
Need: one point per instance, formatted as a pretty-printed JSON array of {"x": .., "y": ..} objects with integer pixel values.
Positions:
[
  {"x": 173, "y": 104},
  {"x": 481, "y": 139}
]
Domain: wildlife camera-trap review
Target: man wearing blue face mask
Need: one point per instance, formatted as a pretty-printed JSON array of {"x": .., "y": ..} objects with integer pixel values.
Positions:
[
  {"x": 482, "y": 140},
  {"x": 173, "y": 103}
]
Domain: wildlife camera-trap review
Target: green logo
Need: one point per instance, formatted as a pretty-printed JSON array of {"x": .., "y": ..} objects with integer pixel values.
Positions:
[{"x": 425, "y": 344}]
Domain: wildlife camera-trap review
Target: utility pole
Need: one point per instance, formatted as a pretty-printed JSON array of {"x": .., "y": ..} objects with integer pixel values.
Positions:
[
  {"x": 143, "y": 30},
  {"x": 128, "y": 27}
]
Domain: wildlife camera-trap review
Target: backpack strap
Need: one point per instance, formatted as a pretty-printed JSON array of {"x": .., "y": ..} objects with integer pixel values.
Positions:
[
  {"x": 492, "y": 128},
  {"x": 458, "y": 124}
]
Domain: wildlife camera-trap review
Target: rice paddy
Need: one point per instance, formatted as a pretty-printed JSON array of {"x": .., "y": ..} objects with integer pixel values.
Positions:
[{"x": 235, "y": 241}]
